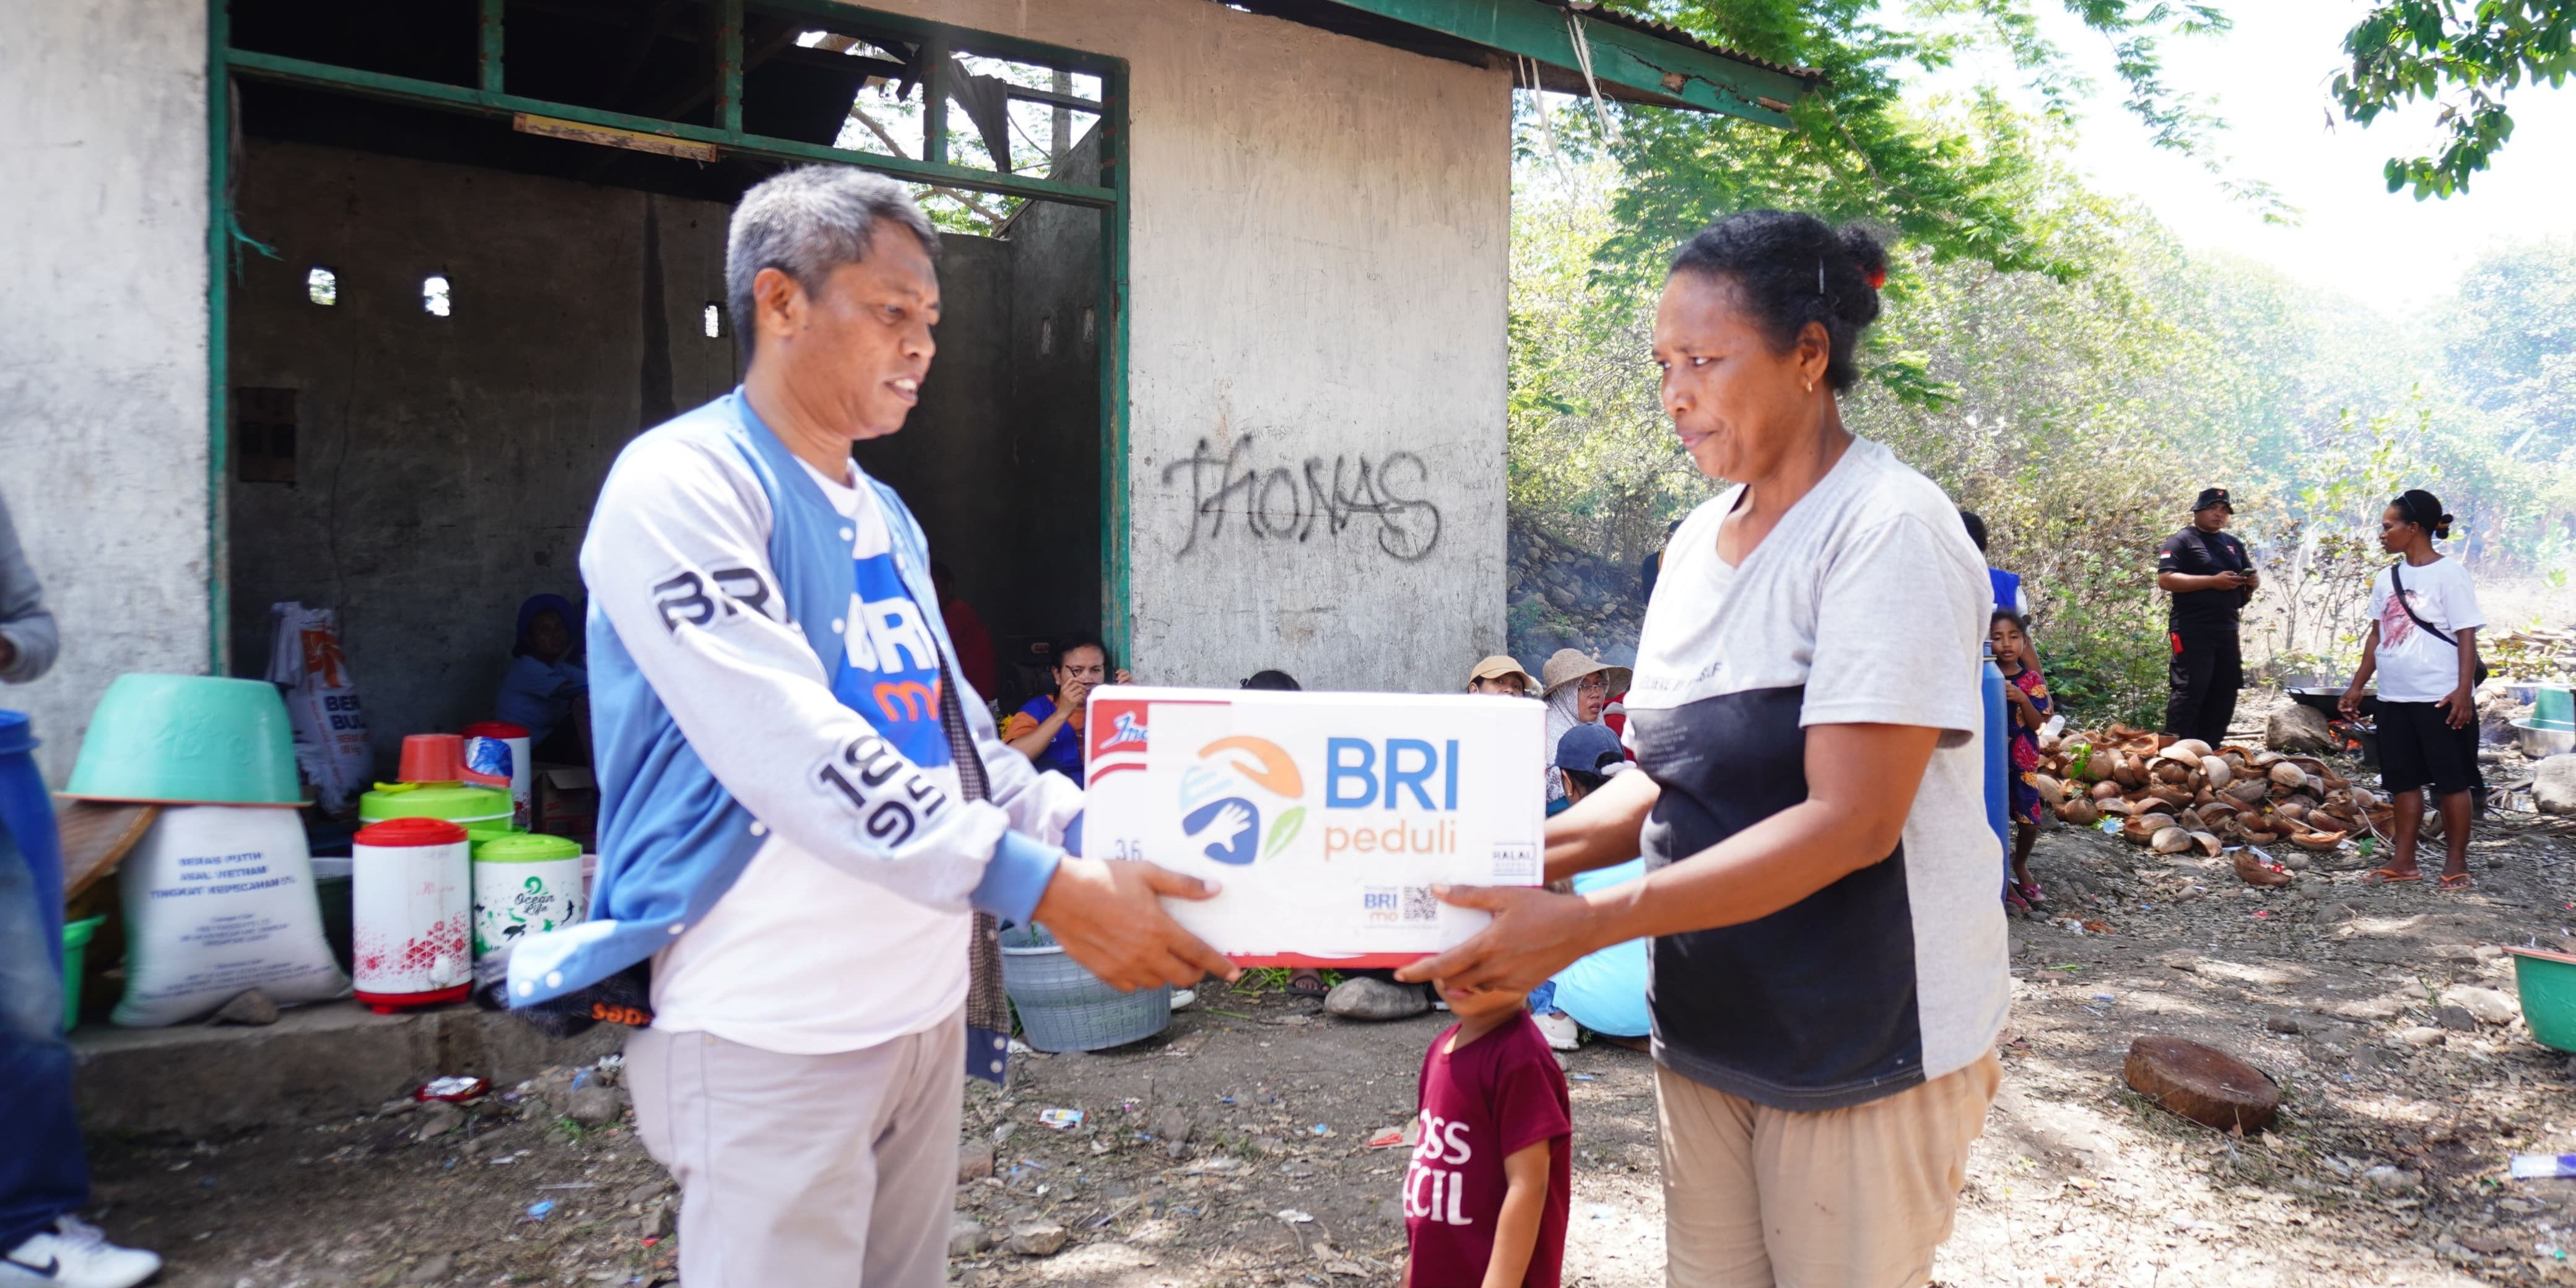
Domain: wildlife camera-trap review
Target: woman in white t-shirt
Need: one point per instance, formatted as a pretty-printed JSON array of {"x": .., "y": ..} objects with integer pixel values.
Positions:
[
  {"x": 2423, "y": 646},
  {"x": 1827, "y": 971}
]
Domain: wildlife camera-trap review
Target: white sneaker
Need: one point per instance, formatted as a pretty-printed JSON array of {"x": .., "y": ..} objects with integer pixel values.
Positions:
[
  {"x": 74, "y": 1254},
  {"x": 1182, "y": 997},
  {"x": 1563, "y": 1034}
]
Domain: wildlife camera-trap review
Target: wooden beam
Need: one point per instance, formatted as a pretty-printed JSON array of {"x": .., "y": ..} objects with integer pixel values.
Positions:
[{"x": 609, "y": 137}]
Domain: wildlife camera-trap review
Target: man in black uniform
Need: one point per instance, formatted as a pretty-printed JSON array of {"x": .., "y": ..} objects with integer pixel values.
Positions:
[{"x": 2210, "y": 577}]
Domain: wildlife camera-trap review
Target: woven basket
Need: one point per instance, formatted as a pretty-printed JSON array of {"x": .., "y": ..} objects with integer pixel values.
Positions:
[{"x": 1066, "y": 1008}]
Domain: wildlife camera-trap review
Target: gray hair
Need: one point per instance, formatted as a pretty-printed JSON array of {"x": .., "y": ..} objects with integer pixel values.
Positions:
[{"x": 807, "y": 221}]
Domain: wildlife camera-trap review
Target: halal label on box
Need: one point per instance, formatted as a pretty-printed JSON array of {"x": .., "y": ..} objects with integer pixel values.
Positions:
[{"x": 1325, "y": 817}]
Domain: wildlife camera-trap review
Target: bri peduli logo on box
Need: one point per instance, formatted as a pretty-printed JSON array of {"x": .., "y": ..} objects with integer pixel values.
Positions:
[{"x": 1222, "y": 797}]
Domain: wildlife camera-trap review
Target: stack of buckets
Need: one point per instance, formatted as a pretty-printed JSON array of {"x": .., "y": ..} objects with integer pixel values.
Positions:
[{"x": 444, "y": 863}]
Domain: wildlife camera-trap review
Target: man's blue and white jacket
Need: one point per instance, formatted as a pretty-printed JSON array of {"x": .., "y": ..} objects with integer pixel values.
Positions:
[{"x": 714, "y": 563}]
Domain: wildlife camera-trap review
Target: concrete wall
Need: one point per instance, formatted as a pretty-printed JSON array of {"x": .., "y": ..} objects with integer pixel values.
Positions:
[
  {"x": 103, "y": 342},
  {"x": 1001, "y": 461},
  {"x": 1317, "y": 285},
  {"x": 446, "y": 466}
]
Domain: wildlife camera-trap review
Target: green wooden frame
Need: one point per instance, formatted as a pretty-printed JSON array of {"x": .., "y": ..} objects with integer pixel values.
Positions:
[
  {"x": 489, "y": 97},
  {"x": 1621, "y": 56}
]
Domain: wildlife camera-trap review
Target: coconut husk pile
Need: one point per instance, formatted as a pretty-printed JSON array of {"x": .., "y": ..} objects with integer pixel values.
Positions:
[{"x": 2181, "y": 794}]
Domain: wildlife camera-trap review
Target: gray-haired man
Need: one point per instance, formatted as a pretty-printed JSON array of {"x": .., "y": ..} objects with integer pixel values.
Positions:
[{"x": 808, "y": 823}]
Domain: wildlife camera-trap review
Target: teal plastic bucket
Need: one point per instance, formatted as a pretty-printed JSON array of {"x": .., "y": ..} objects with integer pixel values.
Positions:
[
  {"x": 2553, "y": 709},
  {"x": 75, "y": 954},
  {"x": 2547, "y": 983},
  {"x": 190, "y": 740}
]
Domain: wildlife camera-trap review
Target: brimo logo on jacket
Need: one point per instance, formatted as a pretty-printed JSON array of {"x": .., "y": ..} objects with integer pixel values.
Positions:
[{"x": 1217, "y": 804}]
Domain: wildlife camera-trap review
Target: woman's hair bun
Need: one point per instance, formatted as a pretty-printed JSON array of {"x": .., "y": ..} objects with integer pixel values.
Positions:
[
  {"x": 1791, "y": 270},
  {"x": 1865, "y": 251},
  {"x": 1861, "y": 307}
]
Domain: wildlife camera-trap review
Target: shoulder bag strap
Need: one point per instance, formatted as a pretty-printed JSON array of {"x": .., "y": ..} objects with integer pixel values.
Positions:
[{"x": 2397, "y": 584}]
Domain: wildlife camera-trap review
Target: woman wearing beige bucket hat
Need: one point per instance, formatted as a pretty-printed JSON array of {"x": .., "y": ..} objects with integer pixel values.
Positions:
[
  {"x": 1576, "y": 687},
  {"x": 1502, "y": 675}
]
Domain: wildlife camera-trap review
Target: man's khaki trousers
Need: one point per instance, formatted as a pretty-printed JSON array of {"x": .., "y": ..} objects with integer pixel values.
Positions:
[{"x": 806, "y": 1171}]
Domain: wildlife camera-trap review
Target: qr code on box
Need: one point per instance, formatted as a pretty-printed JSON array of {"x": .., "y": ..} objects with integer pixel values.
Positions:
[
  {"x": 1420, "y": 907},
  {"x": 1400, "y": 905},
  {"x": 1514, "y": 863}
]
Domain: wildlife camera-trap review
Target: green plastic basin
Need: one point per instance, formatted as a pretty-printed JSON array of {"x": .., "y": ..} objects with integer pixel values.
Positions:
[
  {"x": 192, "y": 739},
  {"x": 484, "y": 812},
  {"x": 2547, "y": 982},
  {"x": 75, "y": 954}
]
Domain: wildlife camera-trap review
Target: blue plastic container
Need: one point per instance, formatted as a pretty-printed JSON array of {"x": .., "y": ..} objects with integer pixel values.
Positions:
[
  {"x": 27, "y": 822},
  {"x": 1998, "y": 761}
]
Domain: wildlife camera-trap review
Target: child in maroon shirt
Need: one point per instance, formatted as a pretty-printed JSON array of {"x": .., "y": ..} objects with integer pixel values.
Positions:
[{"x": 1486, "y": 1195}]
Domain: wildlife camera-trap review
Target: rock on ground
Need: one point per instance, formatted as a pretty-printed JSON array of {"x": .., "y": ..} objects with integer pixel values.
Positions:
[
  {"x": 2296, "y": 728},
  {"x": 437, "y": 1118},
  {"x": 2553, "y": 785},
  {"x": 253, "y": 1007},
  {"x": 974, "y": 1162},
  {"x": 967, "y": 1236},
  {"x": 1362, "y": 997},
  {"x": 2486, "y": 1004},
  {"x": 596, "y": 1106},
  {"x": 1036, "y": 1239}
]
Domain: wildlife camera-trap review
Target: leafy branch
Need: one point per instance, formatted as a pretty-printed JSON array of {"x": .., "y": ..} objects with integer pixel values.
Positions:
[{"x": 2407, "y": 51}]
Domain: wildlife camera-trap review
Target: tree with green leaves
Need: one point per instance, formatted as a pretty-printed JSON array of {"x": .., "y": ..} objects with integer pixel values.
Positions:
[{"x": 2466, "y": 57}]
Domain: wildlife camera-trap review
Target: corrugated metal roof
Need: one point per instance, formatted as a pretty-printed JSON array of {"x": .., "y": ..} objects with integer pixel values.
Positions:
[{"x": 1667, "y": 32}]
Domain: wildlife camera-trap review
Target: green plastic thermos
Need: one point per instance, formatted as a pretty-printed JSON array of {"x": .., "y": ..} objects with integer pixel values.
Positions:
[{"x": 524, "y": 884}]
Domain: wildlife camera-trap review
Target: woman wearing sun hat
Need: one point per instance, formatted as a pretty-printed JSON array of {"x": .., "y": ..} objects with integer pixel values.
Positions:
[
  {"x": 1576, "y": 687},
  {"x": 1502, "y": 674}
]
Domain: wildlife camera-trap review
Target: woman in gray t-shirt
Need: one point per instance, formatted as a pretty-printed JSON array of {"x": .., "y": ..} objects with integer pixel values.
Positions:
[{"x": 1828, "y": 961}]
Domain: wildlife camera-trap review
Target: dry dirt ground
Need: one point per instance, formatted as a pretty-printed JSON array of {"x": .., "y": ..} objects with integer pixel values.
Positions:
[{"x": 2332, "y": 987}]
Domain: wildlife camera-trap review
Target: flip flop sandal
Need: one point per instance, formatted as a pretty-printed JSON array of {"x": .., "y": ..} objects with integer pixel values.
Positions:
[
  {"x": 1306, "y": 983},
  {"x": 2030, "y": 892},
  {"x": 2458, "y": 881},
  {"x": 2390, "y": 876},
  {"x": 2013, "y": 900}
]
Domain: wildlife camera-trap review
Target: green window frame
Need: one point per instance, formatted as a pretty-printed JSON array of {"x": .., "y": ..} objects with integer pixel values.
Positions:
[{"x": 490, "y": 97}]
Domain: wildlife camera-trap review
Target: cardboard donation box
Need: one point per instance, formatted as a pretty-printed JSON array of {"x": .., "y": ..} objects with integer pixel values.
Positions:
[
  {"x": 567, "y": 802},
  {"x": 1325, "y": 817}
]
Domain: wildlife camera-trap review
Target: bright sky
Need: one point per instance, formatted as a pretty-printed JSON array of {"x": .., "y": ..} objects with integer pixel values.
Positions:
[{"x": 2269, "y": 79}]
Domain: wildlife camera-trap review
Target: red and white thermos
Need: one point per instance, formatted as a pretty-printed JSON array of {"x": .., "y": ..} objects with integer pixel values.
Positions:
[{"x": 411, "y": 896}]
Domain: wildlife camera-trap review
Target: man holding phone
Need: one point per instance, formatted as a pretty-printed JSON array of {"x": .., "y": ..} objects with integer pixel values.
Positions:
[{"x": 2210, "y": 577}]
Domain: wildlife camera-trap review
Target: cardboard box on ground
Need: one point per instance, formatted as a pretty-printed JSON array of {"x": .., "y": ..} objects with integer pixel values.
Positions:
[
  {"x": 567, "y": 803},
  {"x": 1325, "y": 817}
]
